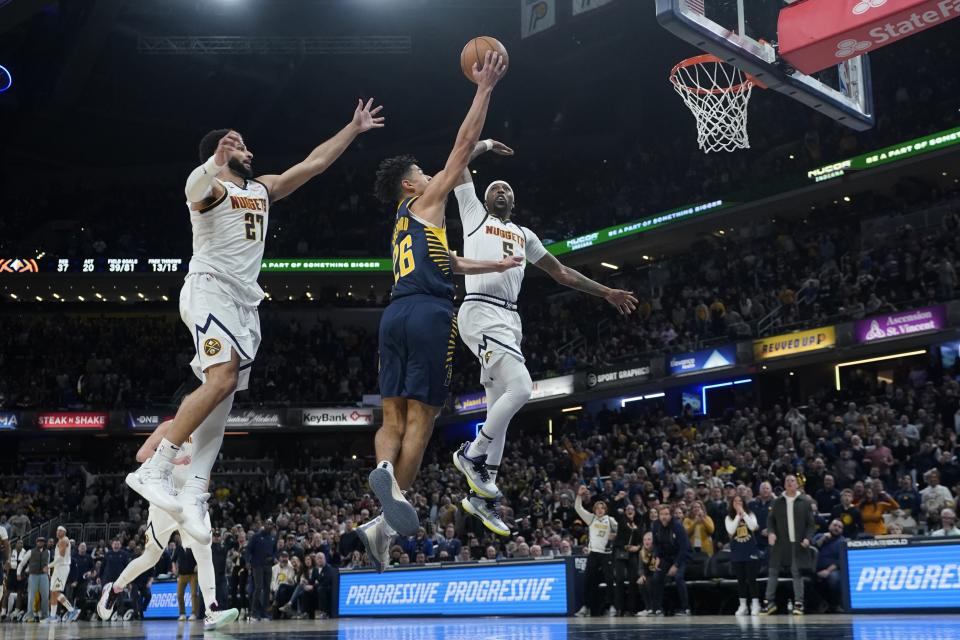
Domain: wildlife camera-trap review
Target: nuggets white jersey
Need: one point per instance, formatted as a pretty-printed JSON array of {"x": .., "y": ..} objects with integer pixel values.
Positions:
[
  {"x": 64, "y": 560},
  {"x": 228, "y": 239},
  {"x": 486, "y": 237}
]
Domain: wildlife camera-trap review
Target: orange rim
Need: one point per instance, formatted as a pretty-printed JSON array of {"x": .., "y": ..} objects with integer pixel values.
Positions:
[{"x": 706, "y": 59}]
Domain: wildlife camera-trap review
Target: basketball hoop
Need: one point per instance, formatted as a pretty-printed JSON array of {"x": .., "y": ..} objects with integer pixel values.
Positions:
[{"x": 717, "y": 93}]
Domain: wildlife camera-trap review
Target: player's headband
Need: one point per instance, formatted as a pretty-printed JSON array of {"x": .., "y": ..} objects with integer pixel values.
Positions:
[{"x": 493, "y": 184}]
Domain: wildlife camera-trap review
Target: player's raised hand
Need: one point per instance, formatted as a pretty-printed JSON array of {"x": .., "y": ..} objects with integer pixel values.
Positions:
[
  {"x": 622, "y": 300},
  {"x": 365, "y": 117},
  {"x": 494, "y": 66},
  {"x": 508, "y": 263},
  {"x": 501, "y": 149},
  {"x": 225, "y": 148}
]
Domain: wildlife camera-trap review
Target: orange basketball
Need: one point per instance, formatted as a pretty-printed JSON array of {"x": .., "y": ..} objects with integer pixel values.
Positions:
[{"x": 476, "y": 51}]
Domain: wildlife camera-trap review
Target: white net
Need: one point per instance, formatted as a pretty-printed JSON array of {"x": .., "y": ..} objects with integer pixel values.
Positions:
[{"x": 717, "y": 93}]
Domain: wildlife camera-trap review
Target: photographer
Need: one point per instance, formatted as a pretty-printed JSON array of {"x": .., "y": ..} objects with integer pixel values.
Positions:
[
  {"x": 626, "y": 556},
  {"x": 603, "y": 528}
]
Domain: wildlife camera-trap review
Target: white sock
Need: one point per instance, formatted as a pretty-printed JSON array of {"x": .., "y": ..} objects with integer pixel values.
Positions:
[
  {"x": 166, "y": 451},
  {"x": 386, "y": 464},
  {"x": 493, "y": 471},
  {"x": 479, "y": 445},
  {"x": 206, "y": 445},
  {"x": 53, "y": 610},
  {"x": 62, "y": 599}
]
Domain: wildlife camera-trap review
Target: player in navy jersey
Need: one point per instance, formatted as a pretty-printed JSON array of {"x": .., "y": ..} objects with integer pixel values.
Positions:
[{"x": 418, "y": 329}]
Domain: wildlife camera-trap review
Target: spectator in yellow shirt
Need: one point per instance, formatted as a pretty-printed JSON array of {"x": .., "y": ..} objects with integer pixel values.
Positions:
[{"x": 699, "y": 527}]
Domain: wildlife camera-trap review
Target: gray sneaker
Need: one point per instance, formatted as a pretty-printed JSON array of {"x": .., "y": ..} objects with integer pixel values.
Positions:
[
  {"x": 487, "y": 511},
  {"x": 397, "y": 510},
  {"x": 475, "y": 472},
  {"x": 376, "y": 538}
]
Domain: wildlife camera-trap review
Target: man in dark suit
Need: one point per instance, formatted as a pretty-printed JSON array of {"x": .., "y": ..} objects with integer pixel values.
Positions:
[
  {"x": 790, "y": 527},
  {"x": 324, "y": 585}
]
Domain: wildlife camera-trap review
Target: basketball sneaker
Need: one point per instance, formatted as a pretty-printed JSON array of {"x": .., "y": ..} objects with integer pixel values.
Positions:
[
  {"x": 376, "y": 536},
  {"x": 217, "y": 617},
  {"x": 475, "y": 471},
  {"x": 72, "y": 616},
  {"x": 153, "y": 481},
  {"x": 397, "y": 511},
  {"x": 193, "y": 517},
  {"x": 487, "y": 511},
  {"x": 108, "y": 599}
]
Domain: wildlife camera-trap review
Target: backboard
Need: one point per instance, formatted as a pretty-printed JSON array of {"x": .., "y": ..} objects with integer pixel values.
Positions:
[{"x": 742, "y": 35}]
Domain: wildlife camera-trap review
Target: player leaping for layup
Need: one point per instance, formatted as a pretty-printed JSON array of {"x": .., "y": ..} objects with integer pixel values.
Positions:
[
  {"x": 229, "y": 211},
  {"x": 160, "y": 527},
  {"x": 490, "y": 326},
  {"x": 418, "y": 328}
]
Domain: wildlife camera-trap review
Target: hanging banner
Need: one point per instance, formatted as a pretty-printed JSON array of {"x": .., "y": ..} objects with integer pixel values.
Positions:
[
  {"x": 613, "y": 376},
  {"x": 725, "y": 356},
  {"x": 253, "y": 419},
  {"x": 582, "y": 6},
  {"x": 537, "y": 16},
  {"x": 902, "y": 323},
  {"x": 470, "y": 402},
  {"x": 794, "y": 343}
]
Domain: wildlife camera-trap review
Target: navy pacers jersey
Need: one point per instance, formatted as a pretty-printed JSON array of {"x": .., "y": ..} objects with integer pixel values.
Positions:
[
  {"x": 418, "y": 329},
  {"x": 421, "y": 257}
]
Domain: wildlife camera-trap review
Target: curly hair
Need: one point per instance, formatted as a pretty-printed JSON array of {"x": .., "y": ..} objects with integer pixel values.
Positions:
[
  {"x": 209, "y": 142},
  {"x": 390, "y": 173}
]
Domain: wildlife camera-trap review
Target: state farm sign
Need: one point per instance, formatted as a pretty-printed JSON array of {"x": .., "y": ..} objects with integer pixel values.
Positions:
[{"x": 817, "y": 34}]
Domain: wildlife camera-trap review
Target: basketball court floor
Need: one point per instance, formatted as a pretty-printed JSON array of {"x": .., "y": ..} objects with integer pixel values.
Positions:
[{"x": 834, "y": 627}]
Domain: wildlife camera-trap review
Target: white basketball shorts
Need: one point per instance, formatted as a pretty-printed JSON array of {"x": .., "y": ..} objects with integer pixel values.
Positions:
[{"x": 490, "y": 332}]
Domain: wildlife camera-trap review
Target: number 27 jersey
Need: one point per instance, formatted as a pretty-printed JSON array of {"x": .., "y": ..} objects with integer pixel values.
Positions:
[
  {"x": 421, "y": 257},
  {"x": 229, "y": 236}
]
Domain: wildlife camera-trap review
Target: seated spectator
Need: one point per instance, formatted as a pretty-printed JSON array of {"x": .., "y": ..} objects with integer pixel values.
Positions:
[
  {"x": 450, "y": 543},
  {"x": 282, "y": 581},
  {"x": 908, "y": 497},
  {"x": 873, "y": 507},
  {"x": 948, "y": 520},
  {"x": 827, "y": 497},
  {"x": 902, "y": 520},
  {"x": 934, "y": 498},
  {"x": 849, "y": 515},
  {"x": 828, "y": 565}
]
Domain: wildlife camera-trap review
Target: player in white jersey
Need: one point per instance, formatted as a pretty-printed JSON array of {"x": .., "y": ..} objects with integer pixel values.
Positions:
[
  {"x": 62, "y": 554},
  {"x": 160, "y": 526},
  {"x": 490, "y": 326},
  {"x": 229, "y": 211}
]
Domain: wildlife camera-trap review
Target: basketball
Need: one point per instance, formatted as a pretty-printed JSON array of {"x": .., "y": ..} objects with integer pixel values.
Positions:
[{"x": 476, "y": 50}]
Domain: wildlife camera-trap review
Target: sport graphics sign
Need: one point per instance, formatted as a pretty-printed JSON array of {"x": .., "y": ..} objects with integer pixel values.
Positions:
[
  {"x": 895, "y": 325},
  {"x": 529, "y": 588},
  {"x": 73, "y": 420},
  {"x": 613, "y": 376},
  {"x": 725, "y": 356},
  {"x": 902, "y": 573},
  {"x": 338, "y": 416},
  {"x": 791, "y": 344},
  {"x": 817, "y": 34}
]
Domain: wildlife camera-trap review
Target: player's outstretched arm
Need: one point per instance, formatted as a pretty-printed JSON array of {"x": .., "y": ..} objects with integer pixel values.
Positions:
[
  {"x": 479, "y": 149},
  {"x": 470, "y": 267},
  {"x": 430, "y": 205},
  {"x": 624, "y": 301},
  {"x": 364, "y": 119}
]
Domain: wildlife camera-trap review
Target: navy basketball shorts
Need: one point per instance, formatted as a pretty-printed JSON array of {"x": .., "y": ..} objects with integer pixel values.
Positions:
[{"x": 418, "y": 334}]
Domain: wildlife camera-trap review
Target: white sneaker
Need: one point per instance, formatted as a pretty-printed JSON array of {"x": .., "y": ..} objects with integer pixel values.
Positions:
[
  {"x": 397, "y": 510},
  {"x": 193, "y": 518},
  {"x": 755, "y": 607},
  {"x": 743, "y": 610},
  {"x": 108, "y": 599},
  {"x": 583, "y": 612},
  {"x": 376, "y": 536},
  {"x": 216, "y": 618},
  {"x": 612, "y": 612},
  {"x": 646, "y": 613},
  {"x": 487, "y": 511},
  {"x": 182, "y": 618},
  {"x": 154, "y": 481},
  {"x": 475, "y": 472},
  {"x": 191, "y": 618}
]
